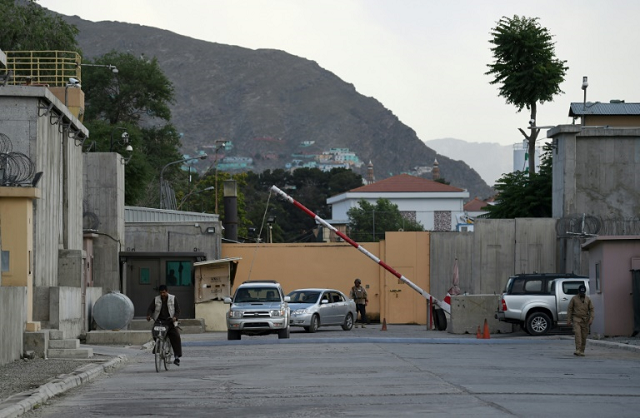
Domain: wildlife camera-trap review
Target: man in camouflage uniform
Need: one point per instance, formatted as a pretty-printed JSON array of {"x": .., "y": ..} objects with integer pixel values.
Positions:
[
  {"x": 580, "y": 313},
  {"x": 359, "y": 295}
]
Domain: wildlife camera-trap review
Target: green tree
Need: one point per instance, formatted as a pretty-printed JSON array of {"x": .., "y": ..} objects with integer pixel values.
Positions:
[
  {"x": 524, "y": 195},
  {"x": 526, "y": 68},
  {"x": 370, "y": 222},
  {"x": 310, "y": 186},
  {"x": 137, "y": 99},
  {"x": 28, "y": 27},
  {"x": 139, "y": 91}
]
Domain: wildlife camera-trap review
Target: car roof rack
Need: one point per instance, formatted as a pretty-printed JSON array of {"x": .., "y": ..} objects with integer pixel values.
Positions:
[{"x": 259, "y": 281}]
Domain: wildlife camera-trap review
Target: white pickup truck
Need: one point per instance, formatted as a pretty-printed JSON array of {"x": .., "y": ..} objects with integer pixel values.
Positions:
[{"x": 539, "y": 301}]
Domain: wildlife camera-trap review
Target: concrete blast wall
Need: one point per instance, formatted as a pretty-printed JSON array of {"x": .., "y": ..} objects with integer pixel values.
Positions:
[
  {"x": 65, "y": 310},
  {"x": 13, "y": 315},
  {"x": 497, "y": 249}
]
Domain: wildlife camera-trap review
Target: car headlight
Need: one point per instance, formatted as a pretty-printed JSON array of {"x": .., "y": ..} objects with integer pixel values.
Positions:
[
  {"x": 277, "y": 312},
  {"x": 235, "y": 314},
  {"x": 300, "y": 312}
]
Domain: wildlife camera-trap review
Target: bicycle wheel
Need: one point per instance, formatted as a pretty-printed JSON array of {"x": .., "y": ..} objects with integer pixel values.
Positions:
[
  {"x": 159, "y": 350},
  {"x": 168, "y": 353}
]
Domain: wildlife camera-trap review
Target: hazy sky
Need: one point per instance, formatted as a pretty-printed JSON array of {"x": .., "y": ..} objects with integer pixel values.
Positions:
[{"x": 423, "y": 60}]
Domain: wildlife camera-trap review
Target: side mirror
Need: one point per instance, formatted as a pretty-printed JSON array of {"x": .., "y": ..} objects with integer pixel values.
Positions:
[
  {"x": 287, "y": 298},
  {"x": 227, "y": 301}
]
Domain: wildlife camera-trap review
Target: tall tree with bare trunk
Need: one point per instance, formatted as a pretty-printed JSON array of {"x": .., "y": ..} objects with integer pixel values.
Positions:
[{"x": 526, "y": 68}]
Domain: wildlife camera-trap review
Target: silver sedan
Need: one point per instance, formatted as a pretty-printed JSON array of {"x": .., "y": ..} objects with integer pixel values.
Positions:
[{"x": 313, "y": 308}]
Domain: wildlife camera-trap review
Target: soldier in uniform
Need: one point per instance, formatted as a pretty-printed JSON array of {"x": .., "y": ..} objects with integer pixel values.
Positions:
[
  {"x": 359, "y": 295},
  {"x": 580, "y": 313}
]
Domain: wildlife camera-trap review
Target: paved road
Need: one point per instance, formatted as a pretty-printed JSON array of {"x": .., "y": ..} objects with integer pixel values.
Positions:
[{"x": 406, "y": 372}]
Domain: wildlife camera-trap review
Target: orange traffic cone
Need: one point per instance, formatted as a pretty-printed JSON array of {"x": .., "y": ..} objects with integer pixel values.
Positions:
[
  {"x": 478, "y": 334},
  {"x": 486, "y": 334},
  {"x": 384, "y": 325}
]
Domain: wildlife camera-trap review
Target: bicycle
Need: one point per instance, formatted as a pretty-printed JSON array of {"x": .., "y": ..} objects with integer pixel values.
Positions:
[{"x": 162, "y": 349}]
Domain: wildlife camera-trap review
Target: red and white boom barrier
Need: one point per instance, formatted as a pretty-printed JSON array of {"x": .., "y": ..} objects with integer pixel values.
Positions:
[{"x": 444, "y": 305}]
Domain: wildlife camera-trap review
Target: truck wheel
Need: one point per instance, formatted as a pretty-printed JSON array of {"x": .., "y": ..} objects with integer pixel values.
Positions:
[
  {"x": 538, "y": 323},
  {"x": 439, "y": 319}
]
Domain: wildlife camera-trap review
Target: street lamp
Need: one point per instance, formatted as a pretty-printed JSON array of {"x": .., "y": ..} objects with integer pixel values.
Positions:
[
  {"x": 113, "y": 68},
  {"x": 270, "y": 221},
  {"x": 221, "y": 143},
  {"x": 199, "y": 157},
  {"x": 184, "y": 199}
]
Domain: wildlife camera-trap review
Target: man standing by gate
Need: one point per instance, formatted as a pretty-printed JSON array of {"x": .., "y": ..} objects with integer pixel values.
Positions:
[{"x": 359, "y": 295}]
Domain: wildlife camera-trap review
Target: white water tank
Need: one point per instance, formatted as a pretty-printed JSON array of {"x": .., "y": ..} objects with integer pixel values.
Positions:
[{"x": 113, "y": 311}]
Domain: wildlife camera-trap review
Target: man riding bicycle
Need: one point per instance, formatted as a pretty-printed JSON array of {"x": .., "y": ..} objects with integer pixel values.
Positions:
[{"x": 165, "y": 308}]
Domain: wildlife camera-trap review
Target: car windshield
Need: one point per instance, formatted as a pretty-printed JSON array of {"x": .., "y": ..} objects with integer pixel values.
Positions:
[
  {"x": 257, "y": 294},
  {"x": 304, "y": 296}
]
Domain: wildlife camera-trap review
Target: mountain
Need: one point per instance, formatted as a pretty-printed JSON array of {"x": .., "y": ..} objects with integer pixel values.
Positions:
[
  {"x": 276, "y": 108},
  {"x": 490, "y": 160}
]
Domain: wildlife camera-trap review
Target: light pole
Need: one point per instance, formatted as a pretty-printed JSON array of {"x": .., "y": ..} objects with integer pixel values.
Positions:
[
  {"x": 221, "y": 143},
  {"x": 200, "y": 157},
  {"x": 270, "y": 221},
  {"x": 125, "y": 138},
  {"x": 184, "y": 199},
  {"x": 113, "y": 68}
]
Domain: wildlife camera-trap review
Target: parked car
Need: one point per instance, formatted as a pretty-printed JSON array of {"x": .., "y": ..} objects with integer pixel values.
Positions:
[
  {"x": 538, "y": 302},
  {"x": 315, "y": 308},
  {"x": 258, "y": 308}
]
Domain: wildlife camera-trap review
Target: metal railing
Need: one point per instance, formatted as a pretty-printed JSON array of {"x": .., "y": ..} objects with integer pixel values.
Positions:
[{"x": 49, "y": 68}]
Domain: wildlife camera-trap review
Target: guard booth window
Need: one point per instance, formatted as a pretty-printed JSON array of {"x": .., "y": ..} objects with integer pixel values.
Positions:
[{"x": 178, "y": 273}]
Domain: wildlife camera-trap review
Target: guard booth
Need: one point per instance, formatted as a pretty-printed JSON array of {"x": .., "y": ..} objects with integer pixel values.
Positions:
[
  {"x": 143, "y": 272},
  {"x": 213, "y": 282}
]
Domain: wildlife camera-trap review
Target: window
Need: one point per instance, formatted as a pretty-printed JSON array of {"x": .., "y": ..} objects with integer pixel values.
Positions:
[
  {"x": 145, "y": 276},
  {"x": 598, "y": 288},
  {"x": 178, "y": 273},
  {"x": 571, "y": 288},
  {"x": 517, "y": 288},
  {"x": 533, "y": 286},
  {"x": 5, "y": 261}
]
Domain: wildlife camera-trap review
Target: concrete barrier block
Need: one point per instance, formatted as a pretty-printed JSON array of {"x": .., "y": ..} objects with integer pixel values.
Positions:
[
  {"x": 470, "y": 311},
  {"x": 64, "y": 344},
  {"x": 38, "y": 342}
]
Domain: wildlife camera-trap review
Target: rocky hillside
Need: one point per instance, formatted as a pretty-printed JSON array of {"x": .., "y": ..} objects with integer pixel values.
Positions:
[{"x": 278, "y": 110}]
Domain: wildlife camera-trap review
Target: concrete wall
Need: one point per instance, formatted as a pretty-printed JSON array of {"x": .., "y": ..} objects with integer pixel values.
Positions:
[
  {"x": 174, "y": 236},
  {"x": 44, "y": 136},
  {"x": 65, "y": 310},
  {"x": 497, "y": 249},
  {"x": 13, "y": 317},
  {"x": 596, "y": 171},
  {"x": 70, "y": 268},
  {"x": 104, "y": 213}
]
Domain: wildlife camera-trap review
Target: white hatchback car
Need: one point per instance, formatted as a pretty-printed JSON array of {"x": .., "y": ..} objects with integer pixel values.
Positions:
[{"x": 313, "y": 308}]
